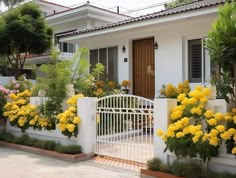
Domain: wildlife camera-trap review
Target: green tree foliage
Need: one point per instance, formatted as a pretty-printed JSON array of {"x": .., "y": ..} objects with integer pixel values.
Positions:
[
  {"x": 221, "y": 44},
  {"x": 175, "y": 3},
  {"x": 11, "y": 3},
  {"x": 23, "y": 31}
]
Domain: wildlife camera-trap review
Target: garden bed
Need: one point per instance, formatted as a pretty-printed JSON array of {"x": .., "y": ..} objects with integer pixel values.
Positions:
[
  {"x": 146, "y": 173},
  {"x": 43, "y": 152}
]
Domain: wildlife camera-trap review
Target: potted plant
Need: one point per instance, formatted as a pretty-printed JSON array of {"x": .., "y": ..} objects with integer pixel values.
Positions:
[{"x": 125, "y": 84}]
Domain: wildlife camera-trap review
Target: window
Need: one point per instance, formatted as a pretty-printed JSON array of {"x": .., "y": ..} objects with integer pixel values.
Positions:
[
  {"x": 195, "y": 60},
  {"x": 67, "y": 47},
  {"x": 108, "y": 57},
  {"x": 200, "y": 67}
]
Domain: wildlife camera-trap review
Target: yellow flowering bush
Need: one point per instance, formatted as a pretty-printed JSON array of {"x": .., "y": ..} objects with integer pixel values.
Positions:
[
  {"x": 194, "y": 131},
  {"x": 229, "y": 135},
  {"x": 22, "y": 114},
  {"x": 170, "y": 91},
  {"x": 68, "y": 120}
]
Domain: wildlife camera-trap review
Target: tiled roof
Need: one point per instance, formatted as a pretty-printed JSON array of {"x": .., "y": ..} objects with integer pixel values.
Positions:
[{"x": 176, "y": 10}]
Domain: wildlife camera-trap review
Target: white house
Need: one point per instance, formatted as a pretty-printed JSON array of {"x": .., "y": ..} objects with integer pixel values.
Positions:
[
  {"x": 64, "y": 19},
  {"x": 154, "y": 49}
]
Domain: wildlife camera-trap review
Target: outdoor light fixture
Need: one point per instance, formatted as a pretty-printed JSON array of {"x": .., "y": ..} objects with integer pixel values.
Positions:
[
  {"x": 155, "y": 45},
  {"x": 123, "y": 49}
]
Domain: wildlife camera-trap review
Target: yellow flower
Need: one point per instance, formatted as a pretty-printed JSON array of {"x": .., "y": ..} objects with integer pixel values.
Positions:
[
  {"x": 32, "y": 122},
  {"x": 233, "y": 151},
  {"x": 214, "y": 141},
  {"x": 206, "y": 91},
  {"x": 181, "y": 97},
  {"x": 196, "y": 110},
  {"x": 212, "y": 122},
  {"x": 76, "y": 120},
  {"x": 179, "y": 135},
  {"x": 63, "y": 120},
  {"x": 199, "y": 88},
  {"x": 228, "y": 116},
  {"x": 203, "y": 100},
  {"x": 209, "y": 114},
  {"x": 12, "y": 96},
  {"x": 22, "y": 121},
  {"x": 62, "y": 127},
  {"x": 72, "y": 109},
  {"x": 70, "y": 127},
  {"x": 192, "y": 101},
  {"x": 220, "y": 128},
  {"x": 225, "y": 136},
  {"x": 234, "y": 110},
  {"x": 219, "y": 116},
  {"x": 21, "y": 101},
  {"x": 160, "y": 132}
]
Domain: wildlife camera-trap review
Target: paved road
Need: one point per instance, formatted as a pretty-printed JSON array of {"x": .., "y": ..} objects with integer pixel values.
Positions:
[{"x": 19, "y": 164}]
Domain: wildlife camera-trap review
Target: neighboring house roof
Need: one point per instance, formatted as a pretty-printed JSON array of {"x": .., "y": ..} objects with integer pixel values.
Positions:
[
  {"x": 87, "y": 4},
  {"x": 55, "y": 4},
  {"x": 176, "y": 10}
]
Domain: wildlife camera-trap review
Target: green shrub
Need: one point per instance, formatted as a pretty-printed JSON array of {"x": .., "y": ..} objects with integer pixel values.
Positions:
[
  {"x": 154, "y": 164},
  {"x": 70, "y": 149},
  {"x": 43, "y": 144},
  {"x": 165, "y": 168},
  {"x": 49, "y": 145},
  {"x": 178, "y": 168},
  {"x": 21, "y": 140},
  {"x": 193, "y": 170},
  {"x": 211, "y": 174}
]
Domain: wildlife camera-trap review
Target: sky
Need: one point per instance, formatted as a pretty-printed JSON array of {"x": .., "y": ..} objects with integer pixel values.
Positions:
[{"x": 125, "y": 5}]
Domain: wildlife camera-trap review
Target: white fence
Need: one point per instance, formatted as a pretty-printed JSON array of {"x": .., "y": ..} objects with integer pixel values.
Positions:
[{"x": 90, "y": 139}]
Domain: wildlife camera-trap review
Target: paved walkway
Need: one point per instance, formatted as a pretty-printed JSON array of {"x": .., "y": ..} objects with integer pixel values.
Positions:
[{"x": 19, "y": 164}]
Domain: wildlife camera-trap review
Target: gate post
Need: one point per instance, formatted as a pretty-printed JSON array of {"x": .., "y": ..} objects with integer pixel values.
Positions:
[
  {"x": 162, "y": 109},
  {"x": 86, "y": 110}
]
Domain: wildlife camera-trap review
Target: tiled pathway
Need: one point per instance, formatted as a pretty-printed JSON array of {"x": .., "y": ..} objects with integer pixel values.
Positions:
[{"x": 18, "y": 164}]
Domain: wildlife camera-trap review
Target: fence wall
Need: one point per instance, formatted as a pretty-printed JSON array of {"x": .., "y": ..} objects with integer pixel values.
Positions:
[{"x": 224, "y": 162}]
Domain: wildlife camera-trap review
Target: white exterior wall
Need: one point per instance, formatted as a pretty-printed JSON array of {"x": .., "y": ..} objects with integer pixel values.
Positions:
[{"x": 170, "y": 57}]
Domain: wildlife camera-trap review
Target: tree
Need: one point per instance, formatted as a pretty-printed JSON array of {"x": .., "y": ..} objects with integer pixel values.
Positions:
[
  {"x": 23, "y": 31},
  {"x": 11, "y": 3},
  {"x": 175, "y": 3},
  {"x": 221, "y": 44}
]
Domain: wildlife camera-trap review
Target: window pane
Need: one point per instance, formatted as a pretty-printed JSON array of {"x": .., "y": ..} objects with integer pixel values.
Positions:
[
  {"x": 71, "y": 48},
  {"x": 112, "y": 63},
  {"x": 93, "y": 58},
  {"x": 103, "y": 61},
  {"x": 65, "y": 48},
  {"x": 195, "y": 60}
]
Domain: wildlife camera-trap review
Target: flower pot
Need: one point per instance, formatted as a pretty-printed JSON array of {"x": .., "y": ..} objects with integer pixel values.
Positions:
[
  {"x": 156, "y": 174},
  {"x": 125, "y": 91}
]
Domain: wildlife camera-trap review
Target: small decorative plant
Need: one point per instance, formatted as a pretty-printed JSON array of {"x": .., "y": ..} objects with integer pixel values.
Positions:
[
  {"x": 194, "y": 131},
  {"x": 125, "y": 84},
  {"x": 68, "y": 120},
  {"x": 170, "y": 91}
]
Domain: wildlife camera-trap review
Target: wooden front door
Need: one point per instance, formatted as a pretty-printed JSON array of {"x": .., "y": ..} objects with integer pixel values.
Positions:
[{"x": 143, "y": 68}]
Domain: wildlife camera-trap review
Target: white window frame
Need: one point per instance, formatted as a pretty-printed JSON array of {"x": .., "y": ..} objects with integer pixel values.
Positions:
[
  {"x": 106, "y": 69},
  {"x": 186, "y": 60}
]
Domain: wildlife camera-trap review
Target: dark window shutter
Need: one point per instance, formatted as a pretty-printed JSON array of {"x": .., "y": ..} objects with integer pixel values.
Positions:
[{"x": 195, "y": 60}]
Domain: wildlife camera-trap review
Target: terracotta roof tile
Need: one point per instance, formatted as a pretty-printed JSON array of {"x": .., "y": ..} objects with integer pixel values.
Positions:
[{"x": 180, "y": 9}]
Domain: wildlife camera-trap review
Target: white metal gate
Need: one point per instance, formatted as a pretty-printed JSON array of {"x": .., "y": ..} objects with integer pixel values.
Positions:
[{"x": 125, "y": 127}]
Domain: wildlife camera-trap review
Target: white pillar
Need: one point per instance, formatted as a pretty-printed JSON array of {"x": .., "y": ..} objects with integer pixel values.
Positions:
[
  {"x": 86, "y": 109},
  {"x": 162, "y": 109}
]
